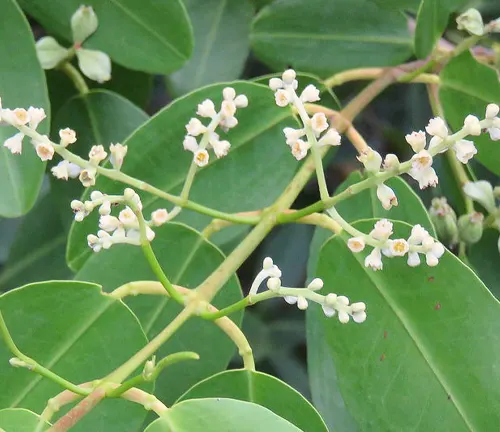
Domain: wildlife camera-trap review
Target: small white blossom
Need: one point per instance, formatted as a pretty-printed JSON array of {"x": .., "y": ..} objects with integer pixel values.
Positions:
[
  {"x": 290, "y": 299},
  {"x": 382, "y": 230},
  {"x": 68, "y": 136},
  {"x": 386, "y": 196},
  {"x": 464, "y": 150},
  {"x": 15, "y": 143},
  {"x": 128, "y": 218},
  {"x": 275, "y": 84},
  {"x": 118, "y": 153},
  {"x": 293, "y": 135},
  {"x": 418, "y": 234},
  {"x": 492, "y": 111},
  {"x": 426, "y": 177},
  {"x": 274, "y": 283},
  {"x": 481, "y": 192},
  {"x": 79, "y": 209},
  {"x": 206, "y": 109},
  {"x": 64, "y": 170},
  {"x": 421, "y": 160},
  {"x": 299, "y": 149},
  {"x": 241, "y": 101},
  {"x": 268, "y": 263},
  {"x": 319, "y": 123},
  {"x": 87, "y": 177},
  {"x": 331, "y": 138},
  {"x": 97, "y": 154},
  {"x": 310, "y": 94},
  {"x": 36, "y": 115},
  {"x": 227, "y": 123},
  {"x": 105, "y": 208},
  {"x": 302, "y": 303},
  {"x": 201, "y": 157},
  {"x": 16, "y": 117},
  {"x": 316, "y": 284},
  {"x": 472, "y": 125},
  {"x": 228, "y": 93},
  {"x": 371, "y": 159},
  {"x": 94, "y": 243},
  {"x": 398, "y": 247},
  {"x": 494, "y": 133},
  {"x": 289, "y": 76},
  {"x": 195, "y": 127},
  {"x": 356, "y": 244},
  {"x": 471, "y": 21},
  {"x": 228, "y": 108},
  {"x": 391, "y": 162},
  {"x": 159, "y": 217},
  {"x": 44, "y": 150},
  {"x": 109, "y": 223},
  {"x": 221, "y": 148},
  {"x": 435, "y": 142},
  {"x": 374, "y": 260},
  {"x": 416, "y": 140},
  {"x": 437, "y": 127},
  {"x": 190, "y": 143},
  {"x": 413, "y": 259},
  {"x": 282, "y": 98}
]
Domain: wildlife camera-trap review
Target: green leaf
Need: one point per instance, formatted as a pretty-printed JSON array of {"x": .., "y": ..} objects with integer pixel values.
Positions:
[
  {"x": 366, "y": 205},
  {"x": 467, "y": 86},
  {"x": 221, "y": 31},
  {"x": 428, "y": 340},
  {"x": 78, "y": 333},
  {"x": 432, "y": 19},
  {"x": 21, "y": 84},
  {"x": 187, "y": 259},
  {"x": 154, "y": 37},
  {"x": 326, "y": 37},
  {"x": 484, "y": 257},
  {"x": 216, "y": 415},
  {"x": 259, "y": 161},
  {"x": 264, "y": 390},
  {"x": 398, "y": 4},
  {"x": 38, "y": 251},
  {"x": 18, "y": 420},
  {"x": 98, "y": 117}
]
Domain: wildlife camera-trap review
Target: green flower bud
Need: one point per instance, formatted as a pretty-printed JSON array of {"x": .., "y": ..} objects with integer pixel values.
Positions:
[
  {"x": 444, "y": 219},
  {"x": 83, "y": 24},
  {"x": 470, "y": 227},
  {"x": 95, "y": 65},
  {"x": 471, "y": 21},
  {"x": 49, "y": 52}
]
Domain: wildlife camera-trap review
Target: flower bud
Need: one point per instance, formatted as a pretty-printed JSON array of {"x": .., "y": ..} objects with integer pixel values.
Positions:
[
  {"x": 49, "y": 52},
  {"x": 470, "y": 227},
  {"x": 445, "y": 221},
  {"x": 95, "y": 65},
  {"x": 83, "y": 24},
  {"x": 471, "y": 21}
]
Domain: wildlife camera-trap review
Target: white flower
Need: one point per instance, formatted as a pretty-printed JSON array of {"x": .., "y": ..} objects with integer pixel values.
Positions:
[
  {"x": 290, "y": 299},
  {"x": 228, "y": 108},
  {"x": 358, "y": 312},
  {"x": 228, "y": 93},
  {"x": 44, "y": 150},
  {"x": 68, "y": 136},
  {"x": 310, "y": 94},
  {"x": 391, "y": 162},
  {"x": 319, "y": 123},
  {"x": 299, "y": 149},
  {"x": 275, "y": 84},
  {"x": 282, "y": 98},
  {"x": 97, "y": 154},
  {"x": 398, "y": 247},
  {"x": 437, "y": 127},
  {"x": 274, "y": 283},
  {"x": 426, "y": 177},
  {"x": 418, "y": 235},
  {"x": 436, "y": 141},
  {"x": 64, "y": 169},
  {"x": 221, "y": 148},
  {"x": 464, "y": 150},
  {"x": 356, "y": 244},
  {"x": 128, "y": 218},
  {"x": 87, "y": 177},
  {"x": 118, "y": 153},
  {"x": 413, "y": 259},
  {"x": 371, "y": 159},
  {"x": 494, "y": 133},
  {"x": 105, "y": 208},
  {"x": 195, "y": 127},
  {"x": 241, "y": 101},
  {"x": 96, "y": 195},
  {"x": 159, "y": 217},
  {"x": 386, "y": 196},
  {"x": 374, "y": 260},
  {"x": 267, "y": 263},
  {"x": 109, "y": 223},
  {"x": 421, "y": 161},
  {"x": 432, "y": 257},
  {"x": 416, "y": 140},
  {"x": 227, "y": 123},
  {"x": 94, "y": 243},
  {"x": 382, "y": 230},
  {"x": 293, "y": 135},
  {"x": 472, "y": 125},
  {"x": 481, "y": 192},
  {"x": 289, "y": 77},
  {"x": 206, "y": 109},
  {"x": 17, "y": 117},
  {"x": 15, "y": 143},
  {"x": 316, "y": 284},
  {"x": 201, "y": 157},
  {"x": 190, "y": 143},
  {"x": 36, "y": 115},
  {"x": 471, "y": 21},
  {"x": 302, "y": 303},
  {"x": 331, "y": 137},
  {"x": 492, "y": 111}
]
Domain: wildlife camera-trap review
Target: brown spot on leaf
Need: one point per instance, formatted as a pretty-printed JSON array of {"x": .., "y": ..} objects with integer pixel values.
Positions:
[
  {"x": 438, "y": 306},
  {"x": 430, "y": 279},
  {"x": 385, "y": 334},
  {"x": 382, "y": 357}
]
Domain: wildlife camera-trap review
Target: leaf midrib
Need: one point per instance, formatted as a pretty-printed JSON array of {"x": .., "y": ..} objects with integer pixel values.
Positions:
[{"x": 334, "y": 37}]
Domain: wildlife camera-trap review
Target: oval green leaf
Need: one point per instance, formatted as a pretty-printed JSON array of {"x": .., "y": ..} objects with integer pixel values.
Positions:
[
  {"x": 264, "y": 390},
  {"x": 74, "y": 330},
  {"x": 429, "y": 338},
  {"x": 325, "y": 37},
  {"x": 221, "y": 32},
  {"x": 215, "y": 415},
  {"x": 19, "y": 420},
  {"x": 154, "y": 37},
  {"x": 484, "y": 257},
  {"x": 258, "y": 163},
  {"x": 467, "y": 86},
  {"x": 187, "y": 259},
  {"x": 20, "y": 175}
]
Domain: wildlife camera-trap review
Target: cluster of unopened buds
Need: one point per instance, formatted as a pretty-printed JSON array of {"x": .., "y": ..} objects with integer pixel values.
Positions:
[
  {"x": 331, "y": 303},
  {"x": 224, "y": 118},
  {"x": 316, "y": 128},
  {"x": 125, "y": 227},
  {"x": 419, "y": 242}
]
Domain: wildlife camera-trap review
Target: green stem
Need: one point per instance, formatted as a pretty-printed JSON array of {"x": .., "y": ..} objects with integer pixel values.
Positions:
[
  {"x": 32, "y": 365},
  {"x": 75, "y": 76},
  {"x": 410, "y": 76}
]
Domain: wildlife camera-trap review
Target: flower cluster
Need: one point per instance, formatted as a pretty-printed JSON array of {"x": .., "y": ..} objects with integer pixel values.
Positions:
[
  {"x": 225, "y": 119},
  {"x": 419, "y": 242},
  {"x": 314, "y": 127},
  {"x": 331, "y": 303},
  {"x": 125, "y": 227}
]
